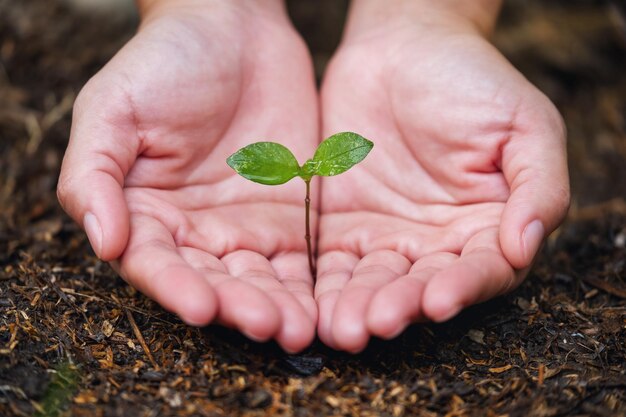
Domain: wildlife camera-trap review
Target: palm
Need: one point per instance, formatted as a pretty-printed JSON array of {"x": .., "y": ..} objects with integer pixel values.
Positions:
[
  {"x": 199, "y": 233},
  {"x": 412, "y": 233}
]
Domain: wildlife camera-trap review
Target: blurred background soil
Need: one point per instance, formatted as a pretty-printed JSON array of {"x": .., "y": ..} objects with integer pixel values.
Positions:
[{"x": 76, "y": 340}]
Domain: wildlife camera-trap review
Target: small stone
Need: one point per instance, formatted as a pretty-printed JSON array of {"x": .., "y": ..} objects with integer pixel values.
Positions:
[
  {"x": 258, "y": 398},
  {"x": 305, "y": 365},
  {"x": 476, "y": 336}
]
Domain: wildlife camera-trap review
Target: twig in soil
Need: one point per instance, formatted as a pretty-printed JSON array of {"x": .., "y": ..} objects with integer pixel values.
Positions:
[
  {"x": 605, "y": 286},
  {"x": 53, "y": 285},
  {"x": 114, "y": 301},
  {"x": 541, "y": 374},
  {"x": 139, "y": 337}
]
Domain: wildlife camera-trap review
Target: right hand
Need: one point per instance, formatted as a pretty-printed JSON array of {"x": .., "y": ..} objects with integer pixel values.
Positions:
[
  {"x": 145, "y": 169},
  {"x": 468, "y": 172}
]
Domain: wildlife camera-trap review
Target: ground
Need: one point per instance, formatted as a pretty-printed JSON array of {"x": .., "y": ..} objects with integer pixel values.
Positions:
[{"x": 76, "y": 340}]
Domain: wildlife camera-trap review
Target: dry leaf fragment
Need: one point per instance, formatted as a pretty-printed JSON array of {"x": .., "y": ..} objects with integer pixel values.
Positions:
[
  {"x": 332, "y": 401},
  {"x": 107, "y": 328},
  {"x": 500, "y": 369}
]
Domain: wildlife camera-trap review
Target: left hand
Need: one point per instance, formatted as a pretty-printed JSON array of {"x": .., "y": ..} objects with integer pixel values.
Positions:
[
  {"x": 145, "y": 171},
  {"x": 467, "y": 176}
]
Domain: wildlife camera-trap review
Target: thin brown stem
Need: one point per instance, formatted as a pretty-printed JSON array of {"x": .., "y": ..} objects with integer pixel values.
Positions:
[
  {"x": 140, "y": 338},
  {"x": 307, "y": 236}
]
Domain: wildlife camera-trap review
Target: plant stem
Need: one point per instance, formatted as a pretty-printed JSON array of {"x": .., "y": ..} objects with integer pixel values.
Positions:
[{"x": 307, "y": 236}]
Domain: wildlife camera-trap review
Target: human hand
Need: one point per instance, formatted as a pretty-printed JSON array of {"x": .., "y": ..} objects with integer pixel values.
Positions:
[
  {"x": 467, "y": 177},
  {"x": 145, "y": 169}
]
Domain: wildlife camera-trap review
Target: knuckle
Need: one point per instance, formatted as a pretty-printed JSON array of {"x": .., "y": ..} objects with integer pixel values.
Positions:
[
  {"x": 563, "y": 198},
  {"x": 101, "y": 91},
  {"x": 561, "y": 125},
  {"x": 554, "y": 119},
  {"x": 64, "y": 190},
  {"x": 84, "y": 96},
  {"x": 558, "y": 124}
]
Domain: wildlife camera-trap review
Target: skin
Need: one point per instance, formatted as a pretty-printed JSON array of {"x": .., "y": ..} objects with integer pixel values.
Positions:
[
  {"x": 146, "y": 158},
  {"x": 468, "y": 154}
]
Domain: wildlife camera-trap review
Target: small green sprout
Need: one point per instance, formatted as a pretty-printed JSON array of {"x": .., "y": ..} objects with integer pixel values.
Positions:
[{"x": 271, "y": 163}]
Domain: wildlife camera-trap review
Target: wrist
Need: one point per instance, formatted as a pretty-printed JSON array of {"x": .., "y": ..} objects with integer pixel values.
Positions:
[
  {"x": 375, "y": 15},
  {"x": 273, "y": 9}
]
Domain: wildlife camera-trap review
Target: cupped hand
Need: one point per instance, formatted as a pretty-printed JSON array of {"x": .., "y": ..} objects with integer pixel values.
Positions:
[
  {"x": 467, "y": 176},
  {"x": 145, "y": 169}
]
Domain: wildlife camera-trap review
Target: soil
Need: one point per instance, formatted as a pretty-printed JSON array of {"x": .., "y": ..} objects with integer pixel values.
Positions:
[{"x": 76, "y": 340}]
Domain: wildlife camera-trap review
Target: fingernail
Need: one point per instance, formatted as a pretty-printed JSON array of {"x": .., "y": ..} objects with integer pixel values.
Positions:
[
  {"x": 531, "y": 239},
  {"x": 452, "y": 311},
  {"x": 193, "y": 322},
  {"x": 255, "y": 337},
  {"x": 94, "y": 232},
  {"x": 399, "y": 329}
]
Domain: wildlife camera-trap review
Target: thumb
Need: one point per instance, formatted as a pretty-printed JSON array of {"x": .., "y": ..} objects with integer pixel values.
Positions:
[
  {"x": 534, "y": 163},
  {"x": 102, "y": 148}
]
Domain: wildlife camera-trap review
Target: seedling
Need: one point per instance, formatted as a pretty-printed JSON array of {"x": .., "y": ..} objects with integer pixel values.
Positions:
[{"x": 271, "y": 163}]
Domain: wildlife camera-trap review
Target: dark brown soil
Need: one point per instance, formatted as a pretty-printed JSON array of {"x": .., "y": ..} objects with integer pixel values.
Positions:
[{"x": 76, "y": 340}]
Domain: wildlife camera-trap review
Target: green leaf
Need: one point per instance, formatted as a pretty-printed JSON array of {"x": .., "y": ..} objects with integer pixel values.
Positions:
[
  {"x": 339, "y": 153},
  {"x": 267, "y": 163}
]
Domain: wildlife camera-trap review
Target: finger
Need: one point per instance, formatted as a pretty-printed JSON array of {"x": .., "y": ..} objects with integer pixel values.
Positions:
[
  {"x": 534, "y": 163},
  {"x": 334, "y": 270},
  {"x": 242, "y": 306},
  {"x": 102, "y": 148},
  {"x": 293, "y": 272},
  {"x": 295, "y": 328},
  {"x": 399, "y": 303},
  {"x": 152, "y": 265},
  {"x": 481, "y": 272},
  {"x": 375, "y": 270},
  {"x": 203, "y": 261}
]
